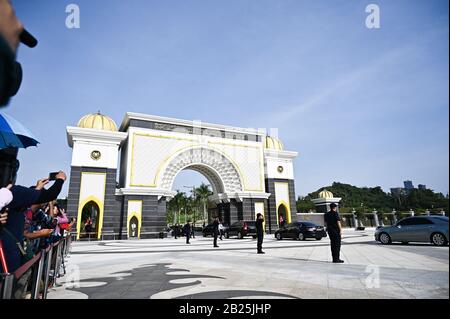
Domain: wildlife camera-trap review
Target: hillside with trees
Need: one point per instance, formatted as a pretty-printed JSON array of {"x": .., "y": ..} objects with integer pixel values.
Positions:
[{"x": 371, "y": 198}]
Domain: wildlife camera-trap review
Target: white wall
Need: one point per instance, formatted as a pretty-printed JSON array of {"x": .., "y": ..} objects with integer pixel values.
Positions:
[
  {"x": 81, "y": 155},
  {"x": 151, "y": 150},
  {"x": 272, "y": 164}
]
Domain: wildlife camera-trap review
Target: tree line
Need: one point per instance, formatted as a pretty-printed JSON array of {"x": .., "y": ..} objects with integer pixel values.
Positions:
[
  {"x": 194, "y": 207},
  {"x": 368, "y": 198}
]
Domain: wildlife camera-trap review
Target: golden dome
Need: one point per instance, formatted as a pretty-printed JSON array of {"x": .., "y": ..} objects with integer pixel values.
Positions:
[
  {"x": 98, "y": 121},
  {"x": 326, "y": 194},
  {"x": 273, "y": 143}
]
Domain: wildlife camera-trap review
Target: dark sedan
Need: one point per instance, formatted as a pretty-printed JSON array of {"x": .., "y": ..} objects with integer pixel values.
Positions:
[
  {"x": 208, "y": 230},
  {"x": 301, "y": 231},
  {"x": 242, "y": 229}
]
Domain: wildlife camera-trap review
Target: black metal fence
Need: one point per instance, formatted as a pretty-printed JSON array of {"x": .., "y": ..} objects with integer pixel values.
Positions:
[{"x": 32, "y": 279}]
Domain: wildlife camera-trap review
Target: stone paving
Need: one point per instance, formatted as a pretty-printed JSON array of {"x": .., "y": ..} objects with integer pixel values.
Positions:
[{"x": 168, "y": 268}]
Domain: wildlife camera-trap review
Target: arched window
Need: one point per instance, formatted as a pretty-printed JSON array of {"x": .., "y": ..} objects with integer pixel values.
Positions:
[
  {"x": 89, "y": 217},
  {"x": 282, "y": 215},
  {"x": 133, "y": 230}
]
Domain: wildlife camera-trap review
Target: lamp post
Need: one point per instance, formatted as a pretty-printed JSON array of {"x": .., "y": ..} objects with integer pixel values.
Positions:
[{"x": 192, "y": 188}]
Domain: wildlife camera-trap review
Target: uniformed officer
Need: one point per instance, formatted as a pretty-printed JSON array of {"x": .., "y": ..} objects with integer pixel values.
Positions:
[
  {"x": 334, "y": 229},
  {"x": 260, "y": 232},
  {"x": 187, "y": 231},
  {"x": 216, "y": 230}
]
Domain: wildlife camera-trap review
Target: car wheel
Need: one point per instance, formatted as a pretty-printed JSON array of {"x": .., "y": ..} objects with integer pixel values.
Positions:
[
  {"x": 438, "y": 239},
  {"x": 227, "y": 236},
  {"x": 278, "y": 236},
  {"x": 301, "y": 236},
  {"x": 405, "y": 243},
  {"x": 385, "y": 239},
  {"x": 240, "y": 235},
  {"x": 204, "y": 235},
  {"x": 254, "y": 237},
  {"x": 318, "y": 238}
]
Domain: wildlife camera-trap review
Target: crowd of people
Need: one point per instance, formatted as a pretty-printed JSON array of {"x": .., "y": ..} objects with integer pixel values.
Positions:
[
  {"x": 218, "y": 231},
  {"x": 30, "y": 218}
]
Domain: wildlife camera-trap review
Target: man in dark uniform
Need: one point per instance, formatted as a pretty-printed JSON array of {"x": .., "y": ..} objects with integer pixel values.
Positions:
[
  {"x": 187, "y": 231},
  {"x": 334, "y": 229},
  {"x": 176, "y": 230},
  {"x": 260, "y": 232},
  {"x": 216, "y": 230}
]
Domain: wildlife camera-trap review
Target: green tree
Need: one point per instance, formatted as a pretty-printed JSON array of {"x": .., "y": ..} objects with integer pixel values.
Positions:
[
  {"x": 175, "y": 206},
  {"x": 201, "y": 194},
  {"x": 304, "y": 204}
]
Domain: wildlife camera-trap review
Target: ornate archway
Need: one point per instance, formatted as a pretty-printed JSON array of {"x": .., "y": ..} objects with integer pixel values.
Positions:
[
  {"x": 217, "y": 168},
  {"x": 90, "y": 218}
]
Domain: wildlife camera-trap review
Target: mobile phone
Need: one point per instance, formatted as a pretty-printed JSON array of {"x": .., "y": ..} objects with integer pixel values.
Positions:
[{"x": 52, "y": 176}]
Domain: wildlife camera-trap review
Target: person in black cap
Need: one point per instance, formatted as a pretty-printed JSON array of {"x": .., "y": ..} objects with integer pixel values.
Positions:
[
  {"x": 11, "y": 34},
  {"x": 215, "y": 227},
  {"x": 260, "y": 232},
  {"x": 187, "y": 231},
  {"x": 334, "y": 229}
]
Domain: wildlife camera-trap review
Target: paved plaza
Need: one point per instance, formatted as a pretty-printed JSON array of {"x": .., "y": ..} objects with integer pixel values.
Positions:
[{"x": 168, "y": 268}]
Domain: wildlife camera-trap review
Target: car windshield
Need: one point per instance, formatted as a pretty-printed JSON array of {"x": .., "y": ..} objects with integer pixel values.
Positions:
[
  {"x": 250, "y": 223},
  {"x": 309, "y": 224}
]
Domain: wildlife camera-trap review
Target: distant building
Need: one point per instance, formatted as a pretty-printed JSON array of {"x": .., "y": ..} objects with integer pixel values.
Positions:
[
  {"x": 422, "y": 186},
  {"x": 398, "y": 191},
  {"x": 408, "y": 185},
  {"x": 324, "y": 200}
]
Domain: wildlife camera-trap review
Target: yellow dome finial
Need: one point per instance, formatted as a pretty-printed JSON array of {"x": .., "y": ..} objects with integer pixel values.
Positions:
[
  {"x": 273, "y": 143},
  {"x": 326, "y": 194},
  {"x": 98, "y": 121}
]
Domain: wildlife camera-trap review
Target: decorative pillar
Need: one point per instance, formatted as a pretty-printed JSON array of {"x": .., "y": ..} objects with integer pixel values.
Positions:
[
  {"x": 355, "y": 220},
  {"x": 394, "y": 213},
  {"x": 375, "y": 217}
]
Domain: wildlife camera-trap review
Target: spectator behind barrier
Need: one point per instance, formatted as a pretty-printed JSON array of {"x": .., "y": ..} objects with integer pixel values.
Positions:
[{"x": 24, "y": 198}]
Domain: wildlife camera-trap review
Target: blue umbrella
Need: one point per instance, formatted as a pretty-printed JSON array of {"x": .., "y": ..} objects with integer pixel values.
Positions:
[{"x": 14, "y": 134}]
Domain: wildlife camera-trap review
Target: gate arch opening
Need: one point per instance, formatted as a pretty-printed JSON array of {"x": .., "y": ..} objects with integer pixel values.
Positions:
[{"x": 90, "y": 216}]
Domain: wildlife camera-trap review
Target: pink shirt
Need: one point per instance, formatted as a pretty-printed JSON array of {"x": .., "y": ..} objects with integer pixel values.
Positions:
[{"x": 62, "y": 219}]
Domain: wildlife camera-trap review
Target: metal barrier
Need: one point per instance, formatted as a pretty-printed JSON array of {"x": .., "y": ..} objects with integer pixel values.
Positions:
[{"x": 45, "y": 268}]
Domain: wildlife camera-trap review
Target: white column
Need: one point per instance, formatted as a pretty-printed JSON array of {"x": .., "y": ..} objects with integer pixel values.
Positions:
[{"x": 375, "y": 217}]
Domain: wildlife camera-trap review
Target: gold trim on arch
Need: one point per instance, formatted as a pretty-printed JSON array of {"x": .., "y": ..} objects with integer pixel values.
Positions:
[
  {"x": 288, "y": 212},
  {"x": 138, "y": 216},
  {"x": 100, "y": 203},
  {"x": 280, "y": 202},
  {"x": 167, "y": 159},
  {"x": 132, "y": 155},
  {"x": 261, "y": 167}
]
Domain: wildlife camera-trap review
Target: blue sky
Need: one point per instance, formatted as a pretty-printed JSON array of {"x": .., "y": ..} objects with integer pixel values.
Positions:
[{"x": 362, "y": 106}]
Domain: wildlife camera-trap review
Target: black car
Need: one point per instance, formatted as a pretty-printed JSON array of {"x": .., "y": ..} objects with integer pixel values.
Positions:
[
  {"x": 301, "y": 231},
  {"x": 242, "y": 229},
  {"x": 208, "y": 230}
]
